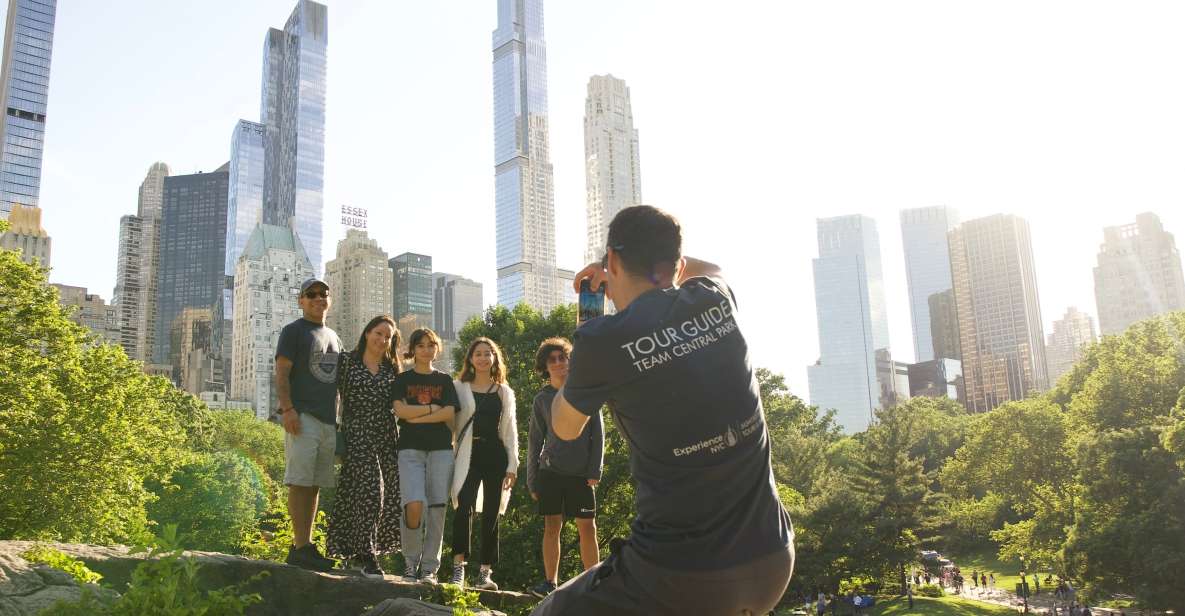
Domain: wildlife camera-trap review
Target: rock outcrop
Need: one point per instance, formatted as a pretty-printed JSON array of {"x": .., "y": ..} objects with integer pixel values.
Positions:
[{"x": 286, "y": 590}]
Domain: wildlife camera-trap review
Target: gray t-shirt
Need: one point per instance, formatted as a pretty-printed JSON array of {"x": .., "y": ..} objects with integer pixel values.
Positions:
[
  {"x": 581, "y": 457},
  {"x": 313, "y": 350},
  {"x": 674, "y": 369}
]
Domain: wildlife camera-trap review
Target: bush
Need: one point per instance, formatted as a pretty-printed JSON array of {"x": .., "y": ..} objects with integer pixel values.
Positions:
[
  {"x": 929, "y": 590},
  {"x": 216, "y": 499},
  {"x": 46, "y": 555}
]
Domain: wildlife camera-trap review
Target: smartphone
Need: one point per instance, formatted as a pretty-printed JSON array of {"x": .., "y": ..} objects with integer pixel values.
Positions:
[{"x": 592, "y": 303}]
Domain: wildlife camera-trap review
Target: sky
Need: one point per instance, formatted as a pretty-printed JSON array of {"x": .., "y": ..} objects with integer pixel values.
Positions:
[{"x": 755, "y": 119}]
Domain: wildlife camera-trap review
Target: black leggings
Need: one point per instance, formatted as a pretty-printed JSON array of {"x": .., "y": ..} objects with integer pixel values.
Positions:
[{"x": 487, "y": 465}]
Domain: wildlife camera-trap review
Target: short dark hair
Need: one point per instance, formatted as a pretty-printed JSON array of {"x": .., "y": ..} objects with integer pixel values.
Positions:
[
  {"x": 546, "y": 348},
  {"x": 649, "y": 241},
  {"x": 418, "y": 335}
]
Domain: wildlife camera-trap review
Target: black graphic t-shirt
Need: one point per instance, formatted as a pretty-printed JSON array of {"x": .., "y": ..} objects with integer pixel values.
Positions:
[
  {"x": 675, "y": 370},
  {"x": 313, "y": 350},
  {"x": 415, "y": 388}
]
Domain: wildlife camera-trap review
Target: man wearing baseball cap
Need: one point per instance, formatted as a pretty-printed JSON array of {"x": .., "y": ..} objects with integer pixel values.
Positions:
[{"x": 306, "y": 385}]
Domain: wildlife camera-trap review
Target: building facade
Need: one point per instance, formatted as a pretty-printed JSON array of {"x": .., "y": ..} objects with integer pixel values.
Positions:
[
  {"x": 292, "y": 111},
  {"x": 999, "y": 313},
  {"x": 192, "y": 351},
  {"x": 137, "y": 263},
  {"x": 91, "y": 312},
  {"x": 1138, "y": 274},
  {"x": 24, "y": 88},
  {"x": 362, "y": 285},
  {"x": 927, "y": 270},
  {"x": 1067, "y": 343},
  {"x": 455, "y": 301},
  {"x": 26, "y": 234},
  {"x": 612, "y": 166},
  {"x": 855, "y": 374},
  {"x": 267, "y": 285},
  {"x": 412, "y": 292},
  {"x": 192, "y": 250},
  {"x": 523, "y": 186},
  {"x": 937, "y": 378}
]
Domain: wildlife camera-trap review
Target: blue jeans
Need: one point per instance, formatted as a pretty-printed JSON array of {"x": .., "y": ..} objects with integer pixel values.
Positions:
[{"x": 425, "y": 477}]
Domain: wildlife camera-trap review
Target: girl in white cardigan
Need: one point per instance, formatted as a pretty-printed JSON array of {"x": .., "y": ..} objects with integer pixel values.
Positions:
[{"x": 486, "y": 449}]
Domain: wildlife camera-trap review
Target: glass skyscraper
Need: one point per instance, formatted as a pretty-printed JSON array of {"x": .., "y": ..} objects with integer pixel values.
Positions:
[
  {"x": 927, "y": 268},
  {"x": 244, "y": 203},
  {"x": 854, "y": 374},
  {"x": 523, "y": 189},
  {"x": 192, "y": 249},
  {"x": 412, "y": 291},
  {"x": 292, "y": 110},
  {"x": 24, "y": 88}
]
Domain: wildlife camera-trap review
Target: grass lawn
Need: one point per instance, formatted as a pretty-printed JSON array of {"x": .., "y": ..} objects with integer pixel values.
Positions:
[
  {"x": 984, "y": 560},
  {"x": 946, "y": 606}
]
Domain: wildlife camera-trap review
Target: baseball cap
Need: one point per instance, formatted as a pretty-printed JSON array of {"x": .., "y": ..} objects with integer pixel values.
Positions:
[{"x": 304, "y": 286}]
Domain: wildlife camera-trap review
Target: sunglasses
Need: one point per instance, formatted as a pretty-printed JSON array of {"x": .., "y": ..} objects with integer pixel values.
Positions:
[{"x": 316, "y": 294}]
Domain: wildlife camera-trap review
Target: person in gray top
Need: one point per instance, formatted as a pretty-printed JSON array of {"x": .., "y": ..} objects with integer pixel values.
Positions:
[{"x": 562, "y": 474}]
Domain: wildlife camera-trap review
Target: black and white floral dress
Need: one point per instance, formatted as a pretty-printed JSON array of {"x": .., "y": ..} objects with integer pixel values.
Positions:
[{"x": 366, "y": 508}]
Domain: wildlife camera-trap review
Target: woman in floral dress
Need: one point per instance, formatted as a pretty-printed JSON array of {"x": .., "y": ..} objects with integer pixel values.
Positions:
[{"x": 366, "y": 516}]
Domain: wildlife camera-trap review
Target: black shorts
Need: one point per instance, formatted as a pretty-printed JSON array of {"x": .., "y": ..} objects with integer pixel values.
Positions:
[{"x": 566, "y": 494}]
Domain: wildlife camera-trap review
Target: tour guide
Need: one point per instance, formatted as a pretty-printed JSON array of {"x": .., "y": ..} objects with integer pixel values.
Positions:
[{"x": 709, "y": 536}]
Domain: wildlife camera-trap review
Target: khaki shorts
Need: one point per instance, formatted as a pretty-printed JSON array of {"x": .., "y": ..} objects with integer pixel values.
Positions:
[{"x": 308, "y": 456}]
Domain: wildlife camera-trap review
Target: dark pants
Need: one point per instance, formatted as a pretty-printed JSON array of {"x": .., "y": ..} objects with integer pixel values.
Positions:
[
  {"x": 626, "y": 584},
  {"x": 487, "y": 467}
]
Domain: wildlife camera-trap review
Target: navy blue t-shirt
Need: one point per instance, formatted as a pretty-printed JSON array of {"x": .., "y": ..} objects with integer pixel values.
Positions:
[
  {"x": 313, "y": 350},
  {"x": 674, "y": 369}
]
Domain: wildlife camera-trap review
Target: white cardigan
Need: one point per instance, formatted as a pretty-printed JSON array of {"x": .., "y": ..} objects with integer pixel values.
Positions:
[{"x": 507, "y": 431}]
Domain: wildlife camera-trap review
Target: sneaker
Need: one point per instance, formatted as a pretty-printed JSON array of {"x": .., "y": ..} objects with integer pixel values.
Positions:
[
  {"x": 308, "y": 557},
  {"x": 484, "y": 582},
  {"x": 409, "y": 574},
  {"x": 542, "y": 589},
  {"x": 428, "y": 578},
  {"x": 458, "y": 575},
  {"x": 371, "y": 568}
]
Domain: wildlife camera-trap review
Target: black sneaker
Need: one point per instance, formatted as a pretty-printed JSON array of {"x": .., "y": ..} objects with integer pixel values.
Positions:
[
  {"x": 542, "y": 589},
  {"x": 308, "y": 557},
  {"x": 371, "y": 568}
]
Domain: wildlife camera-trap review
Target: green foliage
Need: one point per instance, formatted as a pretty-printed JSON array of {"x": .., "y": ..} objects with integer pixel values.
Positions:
[
  {"x": 81, "y": 427},
  {"x": 929, "y": 590},
  {"x": 57, "y": 559},
  {"x": 260, "y": 441},
  {"x": 167, "y": 582},
  {"x": 459, "y": 599},
  {"x": 215, "y": 499}
]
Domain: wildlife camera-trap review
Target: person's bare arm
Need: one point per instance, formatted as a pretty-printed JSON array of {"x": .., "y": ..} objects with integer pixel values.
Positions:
[
  {"x": 408, "y": 412},
  {"x": 288, "y": 416},
  {"x": 566, "y": 421},
  {"x": 693, "y": 267},
  {"x": 441, "y": 414}
]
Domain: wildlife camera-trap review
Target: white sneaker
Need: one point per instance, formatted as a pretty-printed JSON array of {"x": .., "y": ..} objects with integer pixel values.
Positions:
[
  {"x": 428, "y": 578},
  {"x": 484, "y": 582},
  {"x": 459, "y": 574},
  {"x": 409, "y": 574}
]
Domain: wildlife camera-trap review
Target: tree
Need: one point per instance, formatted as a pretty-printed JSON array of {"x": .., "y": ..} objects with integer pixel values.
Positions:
[
  {"x": 81, "y": 427},
  {"x": 260, "y": 441},
  {"x": 213, "y": 500},
  {"x": 799, "y": 434}
]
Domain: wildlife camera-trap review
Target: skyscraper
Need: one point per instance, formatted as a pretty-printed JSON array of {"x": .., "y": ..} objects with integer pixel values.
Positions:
[
  {"x": 1138, "y": 275},
  {"x": 412, "y": 291},
  {"x": 135, "y": 294},
  {"x": 854, "y": 374},
  {"x": 91, "y": 312},
  {"x": 612, "y": 169},
  {"x": 24, "y": 88},
  {"x": 455, "y": 301},
  {"x": 191, "y": 343},
  {"x": 361, "y": 282},
  {"x": 927, "y": 269},
  {"x": 26, "y": 234},
  {"x": 1067, "y": 344},
  {"x": 267, "y": 282},
  {"x": 192, "y": 249},
  {"x": 292, "y": 111},
  {"x": 999, "y": 313},
  {"x": 523, "y": 189},
  {"x": 244, "y": 202}
]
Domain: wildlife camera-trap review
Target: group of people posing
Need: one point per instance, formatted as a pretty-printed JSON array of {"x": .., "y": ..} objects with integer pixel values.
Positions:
[
  {"x": 709, "y": 535},
  {"x": 416, "y": 439}
]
